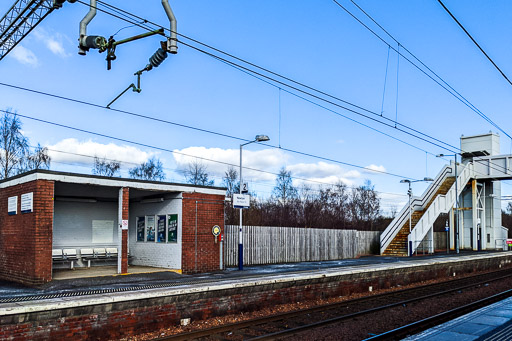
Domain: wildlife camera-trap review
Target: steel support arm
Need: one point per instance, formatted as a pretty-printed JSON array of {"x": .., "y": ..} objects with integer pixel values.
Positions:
[{"x": 19, "y": 20}]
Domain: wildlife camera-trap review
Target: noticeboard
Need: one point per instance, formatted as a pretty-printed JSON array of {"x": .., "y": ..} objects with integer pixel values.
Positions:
[
  {"x": 12, "y": 205},
  {"x": 160, "y": 229},
  {"x": 141, "y": 226},
  {"x": 172, "y": 228},
  {"x": 150, "y": 228},
  {"x": 27, "y": 202}
]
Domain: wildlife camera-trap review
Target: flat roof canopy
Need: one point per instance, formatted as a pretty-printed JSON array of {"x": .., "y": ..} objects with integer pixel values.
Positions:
[{"x": 101, "y": 187}]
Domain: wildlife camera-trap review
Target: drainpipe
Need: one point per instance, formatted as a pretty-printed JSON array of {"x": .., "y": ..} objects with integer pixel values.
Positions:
[{"x": 172, "y": 42}]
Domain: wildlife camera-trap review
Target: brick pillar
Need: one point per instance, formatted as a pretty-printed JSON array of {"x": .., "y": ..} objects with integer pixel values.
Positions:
[
  {"x": 126, "y": 205},
  {"x": 123, "y": 214}
]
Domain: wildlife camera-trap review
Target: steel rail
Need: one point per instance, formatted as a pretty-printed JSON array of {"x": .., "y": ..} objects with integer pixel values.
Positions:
[
  {"x": 416, "y": 327},
  {"x": 439, "y": 287}
]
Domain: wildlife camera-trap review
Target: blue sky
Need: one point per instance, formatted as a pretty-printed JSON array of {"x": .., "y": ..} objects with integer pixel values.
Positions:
[{"x": 313, "y": 42}]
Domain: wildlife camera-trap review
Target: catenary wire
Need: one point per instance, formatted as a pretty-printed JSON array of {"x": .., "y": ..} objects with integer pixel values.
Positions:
[
  {"x": 137, "y": 24},
  {"x": 474, "y": 41},
  {"x": 144, "y": 20},
  {"x": 168, "y": 150},
  {"x": 448, "y": 87},
  {"x": 278, "y": 75},
  {"x": 191, "y": 127}
]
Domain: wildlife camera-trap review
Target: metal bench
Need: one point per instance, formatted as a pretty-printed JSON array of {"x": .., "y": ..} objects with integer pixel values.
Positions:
[
  {"x": 111, "y": 252},
  {"x": 70, "y": 255},
  {"x": 87, "y": 255},
  {"x": 100, "y": 253}
]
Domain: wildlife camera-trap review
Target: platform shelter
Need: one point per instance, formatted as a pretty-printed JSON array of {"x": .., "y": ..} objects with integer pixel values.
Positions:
[{"x": 51, "y": 220}]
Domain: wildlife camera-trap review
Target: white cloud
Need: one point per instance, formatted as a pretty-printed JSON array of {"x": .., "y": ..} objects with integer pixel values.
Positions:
[
  {"x": 375, "y": 169},
  {"x": 323, "y": 172},
  {"x": 53, "y": 41},
  {"x": 71, "y": 150},
  {"x": 266, "y": 159},
  {"x": 24, "y": 56}
]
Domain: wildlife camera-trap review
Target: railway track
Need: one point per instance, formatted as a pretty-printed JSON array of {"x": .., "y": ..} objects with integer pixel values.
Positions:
[{"x": 285, "y": 325}]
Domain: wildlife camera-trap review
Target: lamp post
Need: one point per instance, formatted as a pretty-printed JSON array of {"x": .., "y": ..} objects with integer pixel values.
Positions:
[
  {"x": 258, "y": 138},
  {"x": 456, "y": 203},
  {"x": 409, "y": 193}
]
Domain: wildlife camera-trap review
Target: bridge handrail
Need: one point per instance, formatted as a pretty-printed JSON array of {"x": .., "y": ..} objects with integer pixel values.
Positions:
[
  {"x": 394, "y": 227},
  {"x": 441, "y": 204}
]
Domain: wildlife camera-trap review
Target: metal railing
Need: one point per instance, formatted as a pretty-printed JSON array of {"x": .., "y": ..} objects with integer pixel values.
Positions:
[
  {"x": 416, "y": 203},
  {"x": 441, "y": 204}
]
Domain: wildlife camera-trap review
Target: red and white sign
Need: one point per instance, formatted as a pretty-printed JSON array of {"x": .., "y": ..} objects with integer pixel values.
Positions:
[
  {"x": 509, "y": 241},
  {"x": 124, "y": 224}
]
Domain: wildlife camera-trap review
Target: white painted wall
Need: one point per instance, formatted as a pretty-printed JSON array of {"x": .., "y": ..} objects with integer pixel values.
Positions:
[
  {"x": 73, "y": 223},
  {"x": 164, "y": 255}
]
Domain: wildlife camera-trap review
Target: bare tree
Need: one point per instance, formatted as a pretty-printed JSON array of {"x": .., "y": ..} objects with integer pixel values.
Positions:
[
  {"x": 39, "y": 159},
  {"x": 196, "y": 174},
  {"x": 231, "y": 181},
  {"x": 105, "y": 167},
  {"x": 13, "y": 146},
  {"x": 284, "y": 191},
  {"x": 150, "y": 170},
  {"x": 364, "y": 206}
]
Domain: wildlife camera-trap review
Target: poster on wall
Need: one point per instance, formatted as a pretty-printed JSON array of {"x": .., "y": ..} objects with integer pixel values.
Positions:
[
  {"x": 172, "y": 227},
  {"x": 27, "y": 202},
  {"x": 150, "y": 228},
  {"x": 141, "y": 224},
  {"x": 102, "y": 231},
  {"x": 12, "y": 205},
  {"x": 160, "y": 229}
]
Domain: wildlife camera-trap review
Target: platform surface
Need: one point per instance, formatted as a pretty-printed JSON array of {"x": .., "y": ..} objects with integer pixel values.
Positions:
[
  {"x": 105, "y": 277},
  {"x": 76, "y": 292},
  {"x": 493, "y": 322}
]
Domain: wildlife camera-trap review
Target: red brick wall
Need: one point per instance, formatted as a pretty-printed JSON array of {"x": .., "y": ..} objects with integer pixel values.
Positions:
[
  {"x": 210, "y": 212},
  {"x": 26, "y": 238},
  {"x": 115, "y": 320},
  {"x": 124, "y": 233}
]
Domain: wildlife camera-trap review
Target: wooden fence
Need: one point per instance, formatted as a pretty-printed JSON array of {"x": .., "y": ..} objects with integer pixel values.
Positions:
[{"x": 272, "y": 245}]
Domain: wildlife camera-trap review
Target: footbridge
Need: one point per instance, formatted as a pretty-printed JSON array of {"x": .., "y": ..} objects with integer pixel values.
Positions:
[{"x": 476, "y": 184}]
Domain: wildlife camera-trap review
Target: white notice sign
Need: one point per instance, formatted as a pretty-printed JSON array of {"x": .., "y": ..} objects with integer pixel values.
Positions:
[
  {"x": 102, "y": 231},
  {"x": 27, "y": 202},
  {"x": 241, "y": 200},
  {"x": 12, "y": 205},
  {"x": 124, "y": 224}
]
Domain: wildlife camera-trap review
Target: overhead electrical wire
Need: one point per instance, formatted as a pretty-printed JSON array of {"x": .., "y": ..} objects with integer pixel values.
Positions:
[
  {"x": 169, "y": 150},
  {"x": 128, "y": 14},
  {"x": 254, "y": 73},
  {"x": 474, "y": 41},
  {"x": 231, "y": 63},
  {"x": 446, "y": 85},
  {"x": 392, "y": 122},
  {"x": 190, "y": 127},
  {"x": 311, "y": 155}
]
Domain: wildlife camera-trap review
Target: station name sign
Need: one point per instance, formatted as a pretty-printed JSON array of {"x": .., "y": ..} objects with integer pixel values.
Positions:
[{"x": 241, "y": 200}]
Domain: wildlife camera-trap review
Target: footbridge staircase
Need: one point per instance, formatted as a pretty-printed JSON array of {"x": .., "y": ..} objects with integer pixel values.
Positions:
[{"x": 438, "y": 198}]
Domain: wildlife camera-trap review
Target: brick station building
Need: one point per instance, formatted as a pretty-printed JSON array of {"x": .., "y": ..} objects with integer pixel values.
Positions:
[{"x": 52, "y": 219}]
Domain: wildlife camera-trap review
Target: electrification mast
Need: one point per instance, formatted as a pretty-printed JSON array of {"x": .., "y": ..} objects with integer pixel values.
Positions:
[{"x": 21, "y": 18}]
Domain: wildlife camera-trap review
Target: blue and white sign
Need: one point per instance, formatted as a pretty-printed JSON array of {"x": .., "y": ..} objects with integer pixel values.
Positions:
[
  {"x": 27, "y": 202},
  {"x": 12, "y": 205},
  {"x": 241, "y": 201}
]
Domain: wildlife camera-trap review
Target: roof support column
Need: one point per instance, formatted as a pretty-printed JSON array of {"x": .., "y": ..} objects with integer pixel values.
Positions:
[
  {"x": 451, "y": 224},
  {"x": 474, "y": 211},
  {"x": 122, "y": 236}
]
